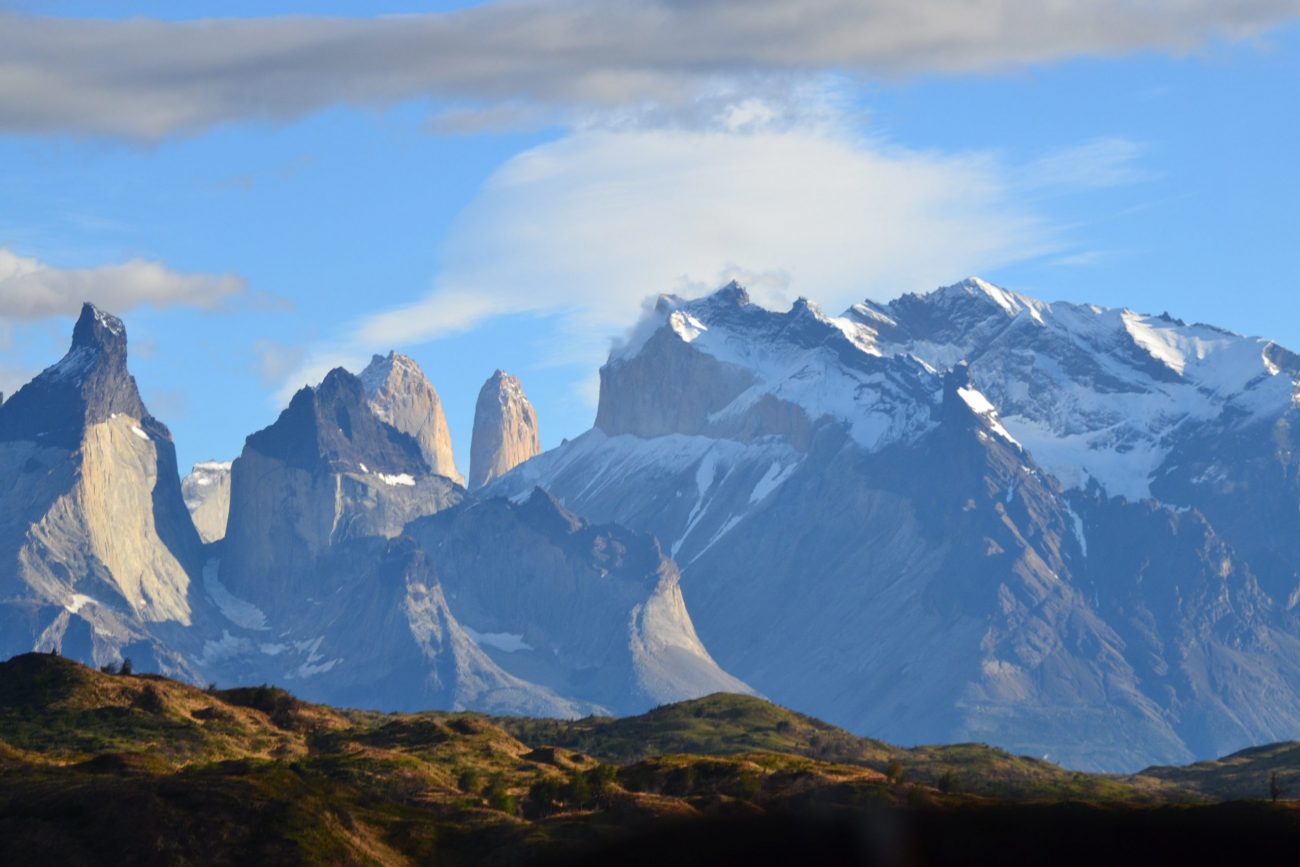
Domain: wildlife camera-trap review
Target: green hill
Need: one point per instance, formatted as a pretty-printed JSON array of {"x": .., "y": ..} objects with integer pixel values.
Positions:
[{"x": 102, "y": 768}]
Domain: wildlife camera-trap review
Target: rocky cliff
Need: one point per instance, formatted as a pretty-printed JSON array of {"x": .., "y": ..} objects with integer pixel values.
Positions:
[
  {"x": 97, "y": 546},
  {"x": 207, "y": 495},
  {"x": 329, "y": 470},
  {"x": 402, "y": 396},
  {"x": 505, "y": 430}
]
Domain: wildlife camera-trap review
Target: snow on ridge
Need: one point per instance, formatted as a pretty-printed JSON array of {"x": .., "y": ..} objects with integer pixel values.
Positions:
[
  {"x": 399, "y": 479},
  {"x": 1075, "y": 385},
  {"x": 980, "y": 405}
]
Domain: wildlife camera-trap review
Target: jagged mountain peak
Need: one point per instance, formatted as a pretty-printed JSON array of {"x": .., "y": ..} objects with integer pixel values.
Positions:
[
  {"x": 1094, "y": 393},
  {"x": 98, "y": 329},
  {"x": 332, "y": 427},
  {"x": 90, "y": 384},
  {"x": 402, "y": 396},
  {"x": 540, "y": 506},
  {"x": 385, "y": 370},
  {"x": 981, "y": 290},
  {"x": 743, "y": 371}
]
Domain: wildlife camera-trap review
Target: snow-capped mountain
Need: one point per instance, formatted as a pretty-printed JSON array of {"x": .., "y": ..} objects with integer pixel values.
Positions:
[
  {"x": 1095, "y": 394},
  {"x": 867, "y": 531},
  {"x": 963, "y": 515}
]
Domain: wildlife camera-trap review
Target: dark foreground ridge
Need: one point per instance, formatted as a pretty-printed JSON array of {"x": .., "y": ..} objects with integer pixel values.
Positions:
[{"x": 97, "y": 767}]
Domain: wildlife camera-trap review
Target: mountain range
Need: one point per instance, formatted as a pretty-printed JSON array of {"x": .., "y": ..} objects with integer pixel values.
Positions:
[{"x": 967, "y": 515}]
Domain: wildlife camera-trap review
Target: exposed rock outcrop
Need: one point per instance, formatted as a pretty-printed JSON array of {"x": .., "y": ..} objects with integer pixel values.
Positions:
[
  {"x": 207, "y": 495},
  {"x": 505, "y": 430},
  {"x": 327, "y": 471},
  {"x": 402, "y": 396},
  {"x": 591, "y": 612},
  {"x": 96, "y": 544}
]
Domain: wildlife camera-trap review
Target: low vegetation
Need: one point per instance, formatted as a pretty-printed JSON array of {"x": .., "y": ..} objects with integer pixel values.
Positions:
[{"x": 99, "y": 767}]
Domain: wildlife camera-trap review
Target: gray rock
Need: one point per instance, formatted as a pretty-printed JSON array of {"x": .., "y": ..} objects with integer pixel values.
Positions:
[
  {"x": 402, "y": 396},
  {"x": 207, "y": 495},
  {"x": 505, "y": 430},
  {"x": 97, "y": 550}
]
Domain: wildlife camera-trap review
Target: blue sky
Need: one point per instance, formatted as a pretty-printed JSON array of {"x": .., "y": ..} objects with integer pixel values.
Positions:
[{"x": 515, "y": 221}]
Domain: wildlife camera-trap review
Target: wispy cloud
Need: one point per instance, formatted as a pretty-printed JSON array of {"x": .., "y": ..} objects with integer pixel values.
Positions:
[
  {"x": 1099, "y": 163},
  {"x": 585, "y": 228},
  {"x": 143, "y": 78},
  {"x": 31, "y": 289}
]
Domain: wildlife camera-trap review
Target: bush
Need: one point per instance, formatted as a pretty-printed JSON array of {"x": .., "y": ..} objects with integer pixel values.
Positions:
[
  {"x": 895, "y": 772},
  {"x": 948, "y": 782},
  {"x": 109, "y": 668},
  {"x": 499, "y": 797},
  {"x": 546, "y": 796},
  {"x": 604, "y": 779},
  {"x": 578, "y": 792},
  {"x": 150, "y": 700},
  {"x": 469, "y": 780},
  {"x": 278, "y": 704}
]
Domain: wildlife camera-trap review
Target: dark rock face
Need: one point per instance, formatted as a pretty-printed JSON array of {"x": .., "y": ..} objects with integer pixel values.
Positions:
[
  {"x": 963, "y": 542},
  {"x": 88, "y": 386},
  {"x": 331, "y": 427},
  {"x": 329, "y": 470}
]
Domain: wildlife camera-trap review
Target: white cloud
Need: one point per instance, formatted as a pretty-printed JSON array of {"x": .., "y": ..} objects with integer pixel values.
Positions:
[
  {"x": 589, "y": 226},
  {"x": 146, "y": 78},
  {"x": 31, "y": 289}
]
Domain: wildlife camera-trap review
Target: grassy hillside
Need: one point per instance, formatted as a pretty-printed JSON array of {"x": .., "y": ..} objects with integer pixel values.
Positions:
[
  {"x": 727, "y": 724},
  {"x": 1256, "y": 773},
  {"x": 98, "y": 768}
]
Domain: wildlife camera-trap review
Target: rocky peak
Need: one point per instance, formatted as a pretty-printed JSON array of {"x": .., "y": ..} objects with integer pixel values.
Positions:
[
  {"x": 544, "y": 510},
  {"x": 505, "y": 429},
  {"x": 401, "y": 395},
  {"x": 98, "y": 330},
  {"x": 207, "y": 495},
  {"x": 332, "y": 427},
  {"x": 90, "y": 384}
]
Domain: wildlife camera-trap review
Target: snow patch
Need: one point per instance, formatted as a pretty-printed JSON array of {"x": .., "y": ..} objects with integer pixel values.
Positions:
[
  {"x": 236, "y": 610},
  {"x": 138, "y": 431},
  {"x": 1077, "y": 522},
  {"x": 772, "y": 479},
  {"x": 400, "y": 479},
  {"x": 506, "y": 641},
  {"x": 79, "y": 601}
]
